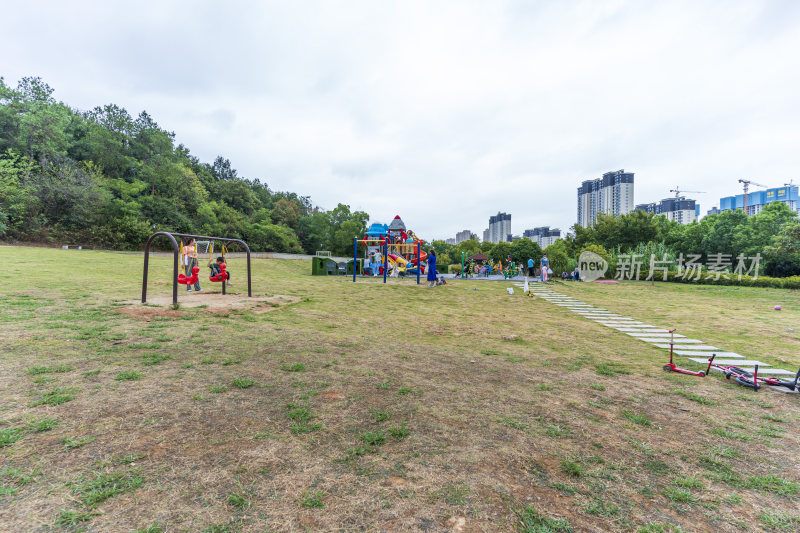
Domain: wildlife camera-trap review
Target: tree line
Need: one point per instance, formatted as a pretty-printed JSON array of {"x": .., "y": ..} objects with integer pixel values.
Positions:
[
  {"x": 773, "y": 234},
  {"x": 107, "y": 179}
]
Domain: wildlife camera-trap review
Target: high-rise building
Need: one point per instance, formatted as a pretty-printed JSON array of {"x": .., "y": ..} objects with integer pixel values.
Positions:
[
  {"x": 500, "y": 228},
  {"x": 612, "y": 194},
  {"x": 450, "y": 241},
  {"x": 678, "y": 209},
  {"x": 465, "y": 235},
  {"x": 486, "y": 235},
  {"x": 758, "y": 199},
  {"x": 543, "y": 236},
  {"x": 713, "y": 211}
]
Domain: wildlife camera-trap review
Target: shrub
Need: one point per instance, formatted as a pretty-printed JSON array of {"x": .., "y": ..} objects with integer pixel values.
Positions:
[{"x": 792, "y": 282}]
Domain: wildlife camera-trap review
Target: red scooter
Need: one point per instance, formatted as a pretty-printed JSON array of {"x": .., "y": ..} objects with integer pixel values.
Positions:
[
  {"x": 751, "y": 379},
  {"x": 743, "y": 377},
  {"x": 672, "y": 367}
]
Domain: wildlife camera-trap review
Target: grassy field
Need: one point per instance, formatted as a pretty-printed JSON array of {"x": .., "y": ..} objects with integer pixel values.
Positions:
[{"x": 333, "y": 406}]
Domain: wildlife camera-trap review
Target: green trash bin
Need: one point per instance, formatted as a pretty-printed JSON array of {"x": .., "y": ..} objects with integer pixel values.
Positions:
[
  {"x": 318, "y": 265},
  {"x": 359, "y": 267}
]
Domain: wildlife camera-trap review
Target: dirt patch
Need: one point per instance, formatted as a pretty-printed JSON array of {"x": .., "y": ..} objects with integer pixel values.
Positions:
[
  {"x": 333, "y": 395},
  {"x": 215, "y": 302}
]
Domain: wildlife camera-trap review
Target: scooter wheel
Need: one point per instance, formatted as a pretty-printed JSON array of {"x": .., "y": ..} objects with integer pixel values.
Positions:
[{"x": 667, "y": 368}]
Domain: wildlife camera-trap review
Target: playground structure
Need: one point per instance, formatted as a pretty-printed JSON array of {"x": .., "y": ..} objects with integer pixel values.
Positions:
[
  {"x": 182, "y": 279},
  {"x": 400, "y": 250},
  {"x": 480, "y": 265}
]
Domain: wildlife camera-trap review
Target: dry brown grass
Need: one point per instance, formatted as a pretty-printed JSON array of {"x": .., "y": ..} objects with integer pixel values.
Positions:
[{"x": 493, "y": 425}]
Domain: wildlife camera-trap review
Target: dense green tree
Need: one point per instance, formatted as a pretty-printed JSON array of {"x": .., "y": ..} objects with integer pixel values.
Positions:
[
  {"x": 559, "y": 257},
  {"x": 286, "y": 212},
  {"x": 524, "y": 249},
  {"x": 103, "y": 177},
  {"x": 16, "y": 196},
  {"x": 500, "y": 252}
]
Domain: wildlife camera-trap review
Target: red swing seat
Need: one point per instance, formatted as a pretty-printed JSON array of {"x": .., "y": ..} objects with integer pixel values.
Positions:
[
  {"x": 222, "y": 276},
  {"x": 189, "y": 280}
]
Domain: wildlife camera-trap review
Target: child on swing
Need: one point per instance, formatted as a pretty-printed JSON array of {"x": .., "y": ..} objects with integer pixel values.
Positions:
[{"x": 216, "y": 268}]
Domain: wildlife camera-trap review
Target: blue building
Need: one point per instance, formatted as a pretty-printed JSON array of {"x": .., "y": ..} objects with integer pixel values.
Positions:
[{"x": 758, "y": 199}]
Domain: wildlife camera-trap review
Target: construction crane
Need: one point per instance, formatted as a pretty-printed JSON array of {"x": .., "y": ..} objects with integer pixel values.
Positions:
[
  {"x": 677, "y": 190},
  {"x": 746, "y": 185}
]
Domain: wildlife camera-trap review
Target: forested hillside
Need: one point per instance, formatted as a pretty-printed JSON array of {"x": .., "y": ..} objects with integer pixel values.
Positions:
[{"x": 104, "y": 178}]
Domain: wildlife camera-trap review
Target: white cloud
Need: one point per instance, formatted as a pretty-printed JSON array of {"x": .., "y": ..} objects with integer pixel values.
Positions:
[{"x": 442, "y": 112}]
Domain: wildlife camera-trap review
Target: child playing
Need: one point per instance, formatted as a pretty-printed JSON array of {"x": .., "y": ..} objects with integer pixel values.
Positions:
[
  {"x": 216, "y": 269},
  {"x": 189, "y": 262}
]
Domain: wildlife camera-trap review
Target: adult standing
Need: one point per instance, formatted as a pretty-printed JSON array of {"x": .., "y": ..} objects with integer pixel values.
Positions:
[
  {"x": 545, "y": 266},
  {"x": 432, "y": 268},
  {"x": 189, "y": 262},
  {"x": 530, "y": 266}
]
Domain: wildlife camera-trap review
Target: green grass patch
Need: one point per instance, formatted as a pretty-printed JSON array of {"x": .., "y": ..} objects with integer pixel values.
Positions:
[
  {"x": 70, "y": 443},
  {"x": 609, "y": 369},
  {"x": 373, "y": 438},
  {"x": 312, "y": 500},
  {"x": 453, "y": 493},
  {"x": 688, "y": 482},
  {"x": 379, "y": 415},
  {"x": 9, "y": 436},
  {"x": 680, "y": 495},
  {"x": 128, "y": 375},
  {"x": 238, "y": 500},
  {"x": 399, "y": 432},
  {"x": 45, "y": 424},
  {"x": 73, "y": 518},
  {"x": 572, "y": 469},
  {"x": 773, "y": 484},
  {"x": 55, "y": 397},
  {"x": 600, "y": 507},
  {"x": 243, "y": 383},
  {"x": 656, "y": 467},
  {"x": 532, "y": 521},
  {"x": 295, "y": 367},
  {"x": 694, "y": 397},
  {"x": 60, "y": 369},
  {"x": 728, "y": 434},
  {"x": 513, "y": 423},
  {"x": 637, "y": 418},
  {"x": 96, "y": 488},
  {"x": 777, "y": 521},
  {"x": 151, "y": 359}
]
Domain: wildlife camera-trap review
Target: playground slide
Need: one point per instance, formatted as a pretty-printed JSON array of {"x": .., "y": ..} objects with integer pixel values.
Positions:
[
  {"x": 413, "y": 263},
  {"x": 398, "y": 262}
]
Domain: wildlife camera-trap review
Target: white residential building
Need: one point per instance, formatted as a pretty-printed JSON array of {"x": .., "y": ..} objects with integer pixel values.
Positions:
[
  {"x": 543, "y": 236},
  {"x": 500, "y": 228},
  {"x": 678, "y": 209},
  {"x": 612, "y": 194}
]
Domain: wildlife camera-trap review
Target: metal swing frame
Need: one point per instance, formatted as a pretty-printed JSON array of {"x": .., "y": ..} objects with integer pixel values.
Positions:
[{"x": 175, "y": 254}]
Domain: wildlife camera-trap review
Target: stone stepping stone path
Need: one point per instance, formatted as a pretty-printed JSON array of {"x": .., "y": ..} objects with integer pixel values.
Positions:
[
  {"x": 687, "y": 353},
  {"x": 655, "y": 340},
  {"x": 737, "y": 362},
  {"x": 693, "y": 349}
]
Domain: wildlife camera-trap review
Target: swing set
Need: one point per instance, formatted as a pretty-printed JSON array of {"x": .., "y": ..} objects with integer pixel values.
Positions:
[{"x": 178, "y": 251}]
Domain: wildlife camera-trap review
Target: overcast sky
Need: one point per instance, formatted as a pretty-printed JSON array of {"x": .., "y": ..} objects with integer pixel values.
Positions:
[{"x": 442, "y": 112}]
